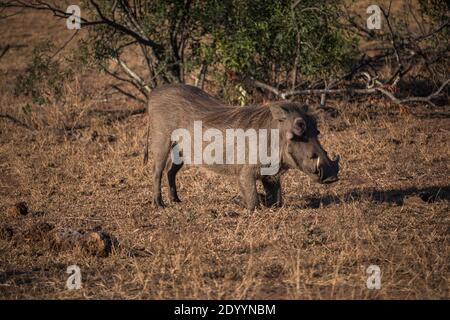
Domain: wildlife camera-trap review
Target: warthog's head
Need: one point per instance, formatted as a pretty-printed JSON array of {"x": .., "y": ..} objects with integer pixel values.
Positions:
[{"x": 299, "y": 144}]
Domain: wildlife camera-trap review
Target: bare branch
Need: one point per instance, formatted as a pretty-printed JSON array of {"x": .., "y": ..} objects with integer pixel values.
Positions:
[
  {"x": 132, "y": 74},
  {"x": 43, "y": 5},
  {"x": 263, "y": 86},
  {"x": 199, "y": 82},
  {"x": 125, "y": 30},
  {"x": 428, "y": 99},
  {"x": 379, "y": 89},
  {"x": 432, "y": 33},
  {"x": 15, "y": 120},
  {"x": 392, "y": 35},
  {"x": 128, "y": 94}
]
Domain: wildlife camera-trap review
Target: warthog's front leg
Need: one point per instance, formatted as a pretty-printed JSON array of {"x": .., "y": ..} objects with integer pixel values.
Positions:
[
  {"x": 247, "y": 185},
  {"x": 272, "y": 186}
]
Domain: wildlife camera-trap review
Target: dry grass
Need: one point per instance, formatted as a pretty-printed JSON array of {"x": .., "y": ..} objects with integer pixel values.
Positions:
[{"x": 317, "y": 246}]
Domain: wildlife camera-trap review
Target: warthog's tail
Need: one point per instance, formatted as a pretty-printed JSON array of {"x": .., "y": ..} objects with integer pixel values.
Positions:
[{"x": 146, "y": 145}]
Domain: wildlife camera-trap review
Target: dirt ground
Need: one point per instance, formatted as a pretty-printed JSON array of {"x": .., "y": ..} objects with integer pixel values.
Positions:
[{"x": 390, "y": 207}]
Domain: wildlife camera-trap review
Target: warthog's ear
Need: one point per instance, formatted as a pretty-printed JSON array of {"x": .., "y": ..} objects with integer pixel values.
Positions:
[
  {"x": 299, "y": 126},
  {"x": 278, "y": 113}
]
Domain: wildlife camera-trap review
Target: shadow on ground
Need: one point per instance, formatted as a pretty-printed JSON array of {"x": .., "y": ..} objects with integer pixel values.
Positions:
[{"x": 394, "y": 196}]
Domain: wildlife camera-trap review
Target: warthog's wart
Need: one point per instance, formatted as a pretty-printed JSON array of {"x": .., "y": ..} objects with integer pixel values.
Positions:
[{"x": 234, "y": 144}]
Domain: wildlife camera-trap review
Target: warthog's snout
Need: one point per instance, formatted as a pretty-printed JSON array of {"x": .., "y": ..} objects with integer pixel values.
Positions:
[{"x": 327, "y": 170}]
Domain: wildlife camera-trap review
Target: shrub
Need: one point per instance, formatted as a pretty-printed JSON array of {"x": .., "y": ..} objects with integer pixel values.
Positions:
[{"x": 43, "y": 78}]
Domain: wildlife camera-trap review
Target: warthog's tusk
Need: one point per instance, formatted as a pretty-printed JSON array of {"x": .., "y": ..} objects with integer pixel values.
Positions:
[
  {"x": 336, "y": 159},
  {"x": 318, "y": 163}
]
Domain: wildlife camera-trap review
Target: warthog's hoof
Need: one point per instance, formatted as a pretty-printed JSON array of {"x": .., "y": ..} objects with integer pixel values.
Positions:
[
  {"x": 270, "y": 202},
  {"x": 158, "y": 203},
  {"x": 240, "y": 202},
  {"x": 263, "y": 200},
  {"x": 175, "y": 199}
]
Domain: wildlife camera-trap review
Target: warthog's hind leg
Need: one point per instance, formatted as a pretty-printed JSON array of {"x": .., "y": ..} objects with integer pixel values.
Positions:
[
  {"x": 160, "y": 152},
  {"x": 172, "y": 170}
]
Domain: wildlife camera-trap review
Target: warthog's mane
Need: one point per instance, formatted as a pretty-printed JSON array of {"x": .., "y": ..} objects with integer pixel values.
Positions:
[
  {"x": 254, "y": 116},
  {"x": 239, "y": 117}
]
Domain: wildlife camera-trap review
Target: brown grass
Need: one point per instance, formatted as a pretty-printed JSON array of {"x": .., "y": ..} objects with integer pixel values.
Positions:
[{"x": 390, "y": 208}]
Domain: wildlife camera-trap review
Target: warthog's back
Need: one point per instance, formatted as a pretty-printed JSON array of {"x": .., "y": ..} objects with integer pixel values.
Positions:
[{"x": 177, "y": 106}]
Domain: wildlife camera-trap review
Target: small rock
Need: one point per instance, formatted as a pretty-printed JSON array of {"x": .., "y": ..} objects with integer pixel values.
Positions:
[
  {"x": 98, "y": 243},
  {"x": 95, "y": 242},
  {"x": 19, "y": 209},
  {"x": 6, "y": 233},
  {"x": 111, "y": 138}
]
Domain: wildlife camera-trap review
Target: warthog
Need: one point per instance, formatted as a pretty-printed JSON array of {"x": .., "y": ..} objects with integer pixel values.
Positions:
[{"x": 173, "y": 107}]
